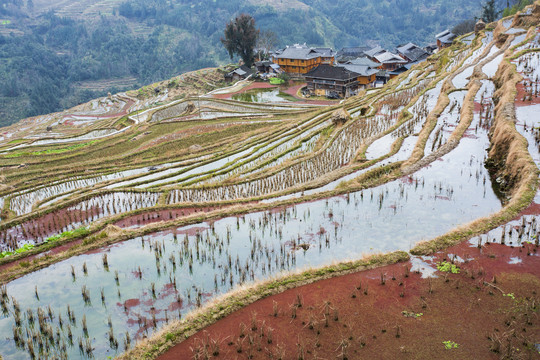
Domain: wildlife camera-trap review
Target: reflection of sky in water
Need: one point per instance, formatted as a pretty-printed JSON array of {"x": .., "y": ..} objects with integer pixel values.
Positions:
[{"x": 262, "y": 96}]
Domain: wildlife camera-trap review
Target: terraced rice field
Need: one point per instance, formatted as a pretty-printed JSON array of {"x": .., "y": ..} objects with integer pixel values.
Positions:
[{"x": 140, "y": 210}]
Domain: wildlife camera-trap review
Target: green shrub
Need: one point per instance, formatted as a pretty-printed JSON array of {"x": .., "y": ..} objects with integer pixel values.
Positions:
[{"x": 446, "y": 266}]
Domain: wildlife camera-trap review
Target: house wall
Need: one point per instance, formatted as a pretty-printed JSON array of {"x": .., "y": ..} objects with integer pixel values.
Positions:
[
  {"x": 391, "y": 66},
  {"x": 297, "y": 66},
  {"x": 364, "y": 80},
  {"x": 328, "y": 60},
  {"x": 322, "y": 89}
]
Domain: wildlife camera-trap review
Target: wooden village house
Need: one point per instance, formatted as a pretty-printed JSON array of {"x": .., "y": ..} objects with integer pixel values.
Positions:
[
  {"x": 301, "y": 59},
  {"x": 367, "y": 74},
  {"x": 267, "y": 67},
  {"x": 350, "y": 53},
  {"x": 412, "y": 52},
  {"x": 239, "y": 73},
  {"x": 339, "y": 81},
  {"x": 445, "y": 39},
  {"x": 386, "y": 59},
  {"x": 328, "y": 56}
]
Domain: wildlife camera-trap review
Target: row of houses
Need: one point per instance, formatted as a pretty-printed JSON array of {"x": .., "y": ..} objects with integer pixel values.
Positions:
[
  {"x": 342, "y": 74},
  {"x": 371, "y": 67}
]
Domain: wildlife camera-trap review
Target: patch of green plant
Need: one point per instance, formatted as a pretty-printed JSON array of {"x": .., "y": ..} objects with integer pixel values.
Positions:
[
  {"x": 276, "y": 81},
  {"x": 53, "y": 238},
  {"x": 411, "y": 314},
  {"x": 51, "y": 151},
  {"x": 449, "y": 345},
  {"x": 520, "y": 5},
  {"x": 327, "y": 131},
  {"x": 4, "y": 254},
  {"x": 24, "y": 248},
  {"x": 446, "y": 266},
  {"x": 68, "y": 235},
  {"x": 511, "y": 296}
]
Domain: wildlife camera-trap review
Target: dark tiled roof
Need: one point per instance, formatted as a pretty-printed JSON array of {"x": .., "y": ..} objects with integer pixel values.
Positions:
[
  {"x": 303, "y": 52},
  {"x": 242, "y": 71},
  {"x": 362, "y": 70},
  {"x": 399, "y": 70},
  {"x": 412, "y": 52},
  {"x": 448, "y": 39},
  {"x": 263, "y": 63},
  {"x": 299, "y": 52},
  {"x": 329, "y": 72},
  {"x": 430, "y": 48},
  {"x": 325, "y": 52},
  {"x": 386, "y": 57},
  {"x": 375, "y": 51},
  {"x": 442, "y": 34},
  {"x": 363, "y": 61},
  {"x": 353, "y": 51},
  {"x": 405, "y": 47}
]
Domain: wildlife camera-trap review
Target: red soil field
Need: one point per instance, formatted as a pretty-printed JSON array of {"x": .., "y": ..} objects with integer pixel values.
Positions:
[
  {"x": 522, "y": 96},
  {"x": 401, "y": 319},
  {"x": 488, "y": 310}
]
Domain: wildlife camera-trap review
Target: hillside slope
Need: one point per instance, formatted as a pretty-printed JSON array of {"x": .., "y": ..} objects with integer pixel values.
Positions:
[{"x": 56, "y": 54}]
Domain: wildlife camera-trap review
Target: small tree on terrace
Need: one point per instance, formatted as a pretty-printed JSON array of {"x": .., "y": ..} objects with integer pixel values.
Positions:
[{"x": 241, "y": 38}]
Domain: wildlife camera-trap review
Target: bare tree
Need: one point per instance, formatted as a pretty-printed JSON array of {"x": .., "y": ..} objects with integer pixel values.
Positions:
[
  {"x": 464, "y": 27},
  {"x": 267, "y": 41}
]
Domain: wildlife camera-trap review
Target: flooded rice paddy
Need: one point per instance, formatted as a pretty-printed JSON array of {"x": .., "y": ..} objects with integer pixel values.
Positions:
[
  {"x": 168, "y": 273},
  {"x": 145, "y": 282},
  {"x": 271, "y": 95}
]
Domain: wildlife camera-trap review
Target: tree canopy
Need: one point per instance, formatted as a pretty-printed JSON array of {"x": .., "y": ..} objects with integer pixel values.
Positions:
[
  {"x": 241, "y": 38},
  {"x": 489, "y": 11},
  {"x": 517, "y": 6}
]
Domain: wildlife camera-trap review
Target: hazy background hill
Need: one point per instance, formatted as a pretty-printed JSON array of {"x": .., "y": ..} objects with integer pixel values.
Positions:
[{"x": 57, "y": 53}]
